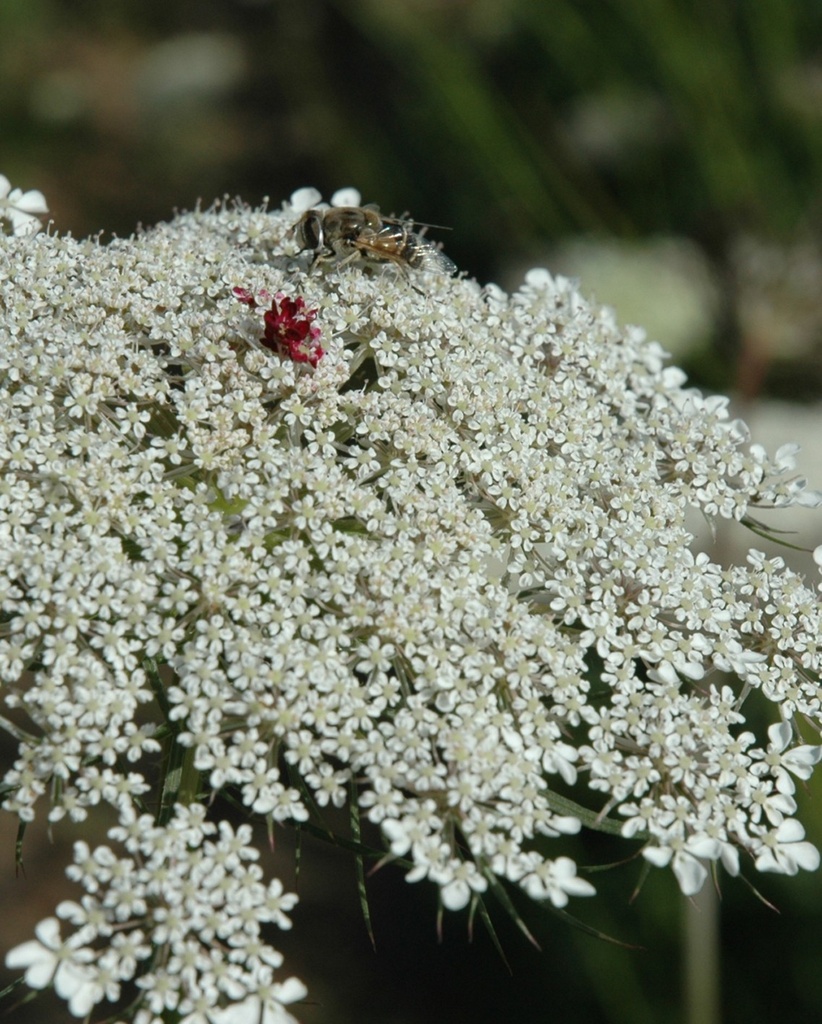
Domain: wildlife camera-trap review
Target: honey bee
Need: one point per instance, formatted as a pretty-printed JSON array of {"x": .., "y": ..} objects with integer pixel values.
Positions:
[{"x": 346, "y": 234}]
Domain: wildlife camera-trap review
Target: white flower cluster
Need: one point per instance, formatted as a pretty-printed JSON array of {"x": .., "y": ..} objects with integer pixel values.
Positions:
[
  {"x": 199, "y": 899},
  {"x": 442, "y": 568}
]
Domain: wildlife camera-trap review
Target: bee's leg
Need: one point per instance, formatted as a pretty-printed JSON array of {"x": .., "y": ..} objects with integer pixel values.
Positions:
[
  {"x": 403, "y": 273},
  {"x": 353, "y": 255},
  {"x": 409, "y": 277},
  {"x": 320, "y": 256}
]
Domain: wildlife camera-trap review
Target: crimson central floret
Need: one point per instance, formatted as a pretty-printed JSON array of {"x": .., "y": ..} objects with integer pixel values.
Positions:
[{"x": 289, "y": 327}]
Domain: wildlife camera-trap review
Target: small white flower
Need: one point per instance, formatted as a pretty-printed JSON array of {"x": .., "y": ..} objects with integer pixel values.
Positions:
[
  {"x": 346, "y": 197},
  {"x": 50, "y": 960},
  {"x": 556, "y": 881},
  {"x": 267, "y": 1010},
  {"x": 780, "y": 759},
  {"x": 457, "y": 881},
  {"x": 21, "y": 209},
  {"x": 785, "y": 850},
  {"x": 304, "y": 199}
]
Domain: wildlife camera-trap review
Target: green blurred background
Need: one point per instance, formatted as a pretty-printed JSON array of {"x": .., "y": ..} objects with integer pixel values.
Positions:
[{"x": 669, "y": 153}]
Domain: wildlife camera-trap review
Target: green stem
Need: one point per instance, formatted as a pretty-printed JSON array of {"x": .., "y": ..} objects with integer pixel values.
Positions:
[{"x": 701, "y": 957}]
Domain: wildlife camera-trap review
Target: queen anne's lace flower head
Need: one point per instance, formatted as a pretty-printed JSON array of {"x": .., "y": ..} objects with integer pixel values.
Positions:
[{"x": 414, "y": 543}]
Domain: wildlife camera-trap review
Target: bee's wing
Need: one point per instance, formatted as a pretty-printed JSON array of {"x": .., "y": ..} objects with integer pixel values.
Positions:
[
  {"x": 395, "y": 243},
  {"x": 407, "y": 221},
  {"x": 425, "y": 256}
]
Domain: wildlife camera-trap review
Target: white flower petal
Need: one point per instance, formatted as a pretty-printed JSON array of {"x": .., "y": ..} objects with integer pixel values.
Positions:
[
  {"x": 346, "y": 197},
  {"x": 305, "y": 199},
  {"x": 690, "y": 873},
  {"x": 659, "y": 856},
  {"x": 40, "y": 963},
  {"x": 289, "y": 991},
  {"x": 455, "y": 895},
  {"x": 33, "y": 202}
]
